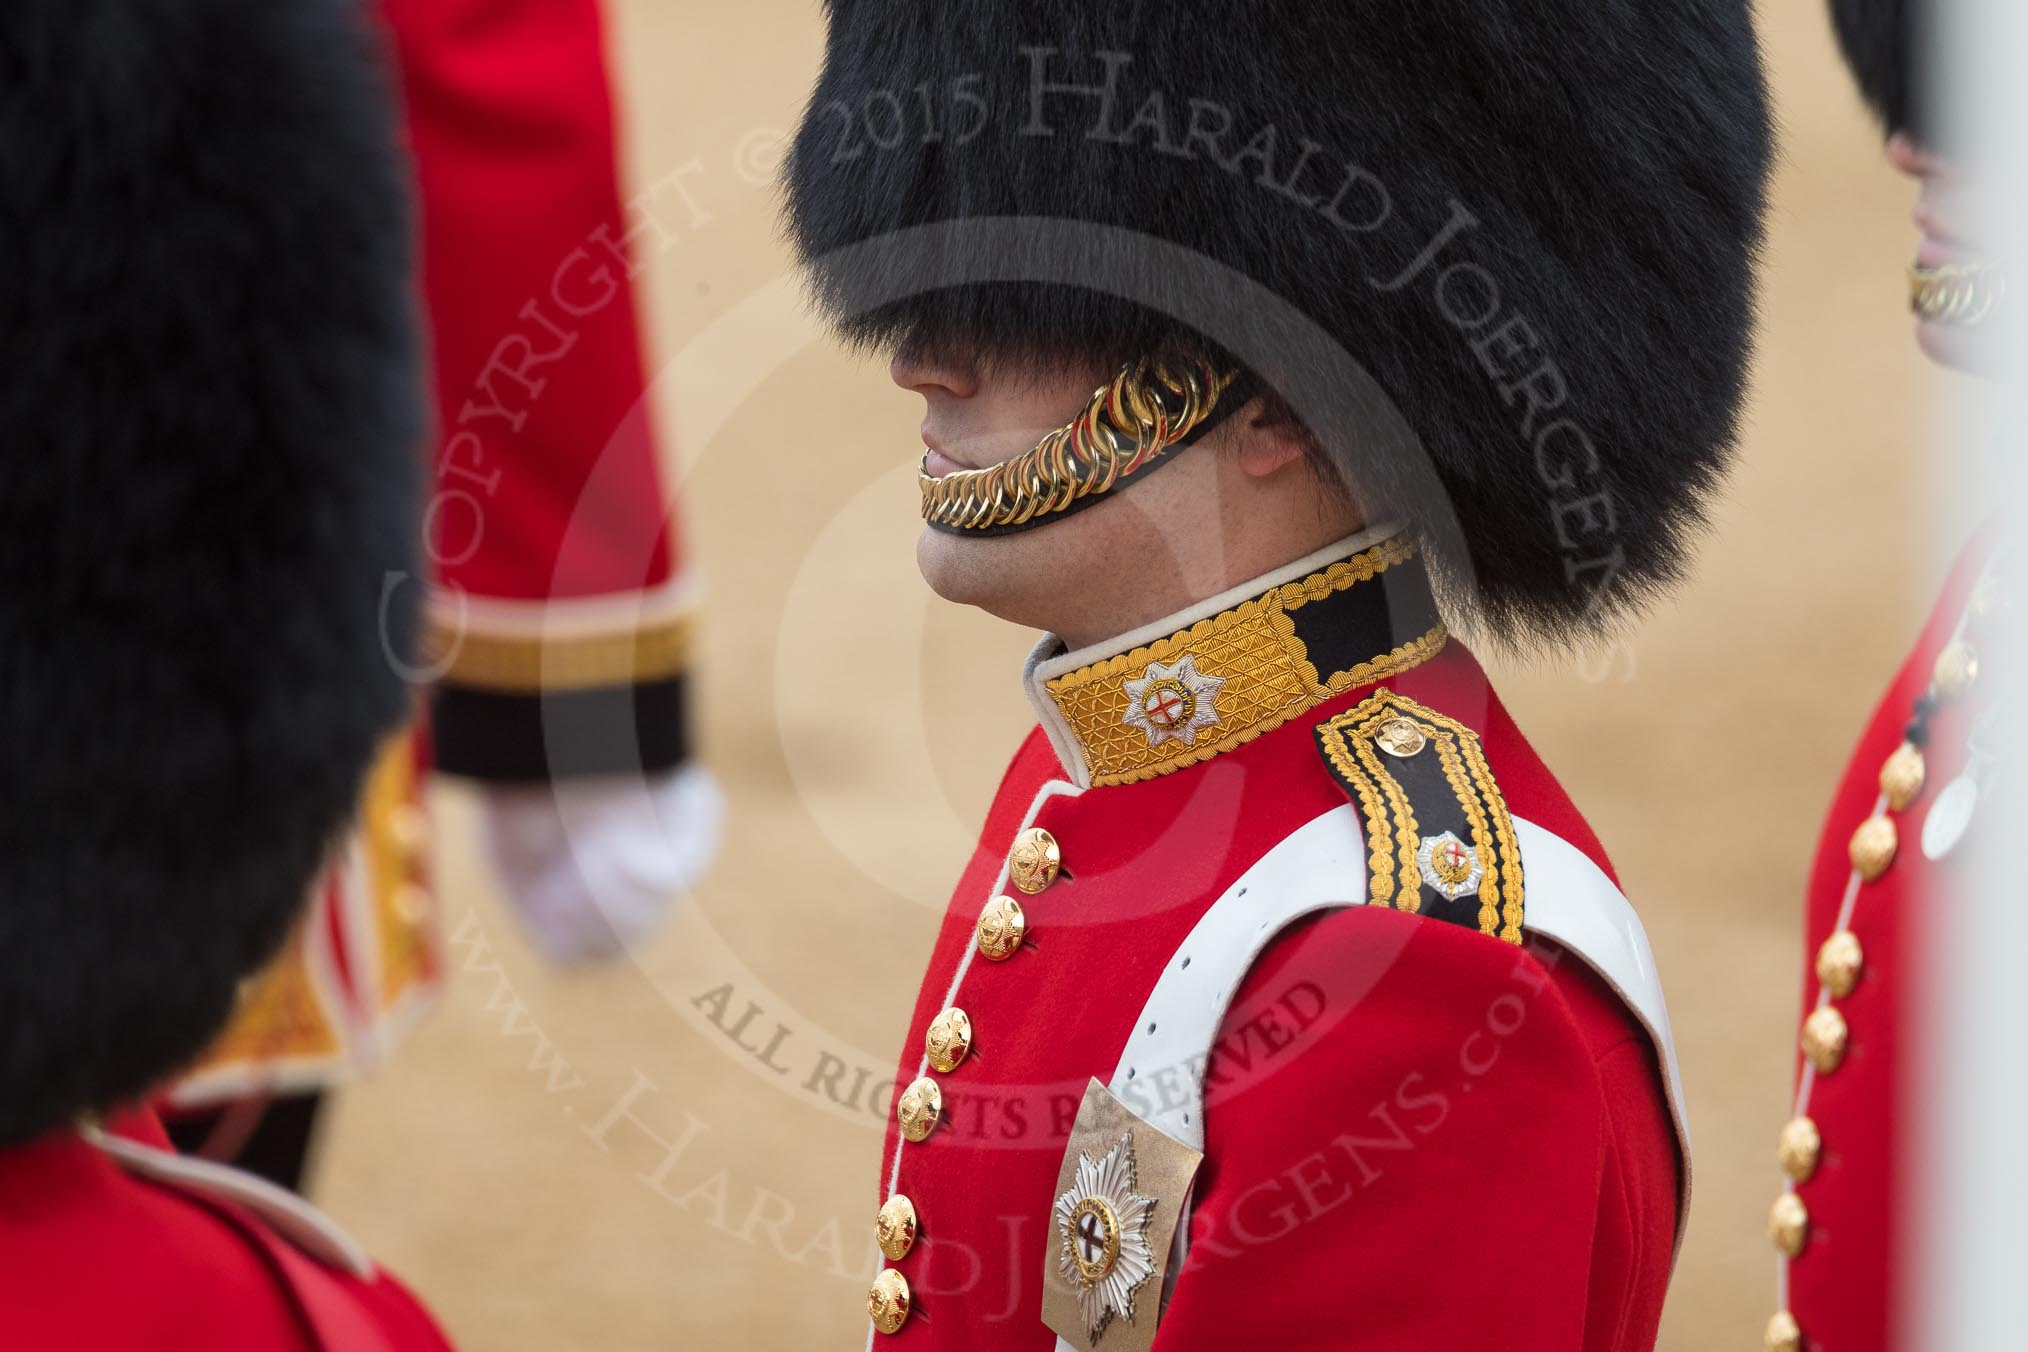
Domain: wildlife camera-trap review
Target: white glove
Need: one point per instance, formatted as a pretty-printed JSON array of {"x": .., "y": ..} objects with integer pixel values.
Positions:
[{"x": 595, "y": 865}]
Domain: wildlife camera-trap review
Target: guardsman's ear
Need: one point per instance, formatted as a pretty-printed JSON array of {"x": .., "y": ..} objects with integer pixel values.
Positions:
[{"x": 1269, "y": 438}]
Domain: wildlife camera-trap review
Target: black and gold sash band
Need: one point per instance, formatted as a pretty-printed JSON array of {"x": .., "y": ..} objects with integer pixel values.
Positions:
[
  {"x": 548, "y": 703},
  {"x": 1439, "y": 839}
]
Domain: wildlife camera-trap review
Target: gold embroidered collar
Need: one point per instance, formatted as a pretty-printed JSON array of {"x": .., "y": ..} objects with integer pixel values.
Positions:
[{"x": 1188, "y": 687}]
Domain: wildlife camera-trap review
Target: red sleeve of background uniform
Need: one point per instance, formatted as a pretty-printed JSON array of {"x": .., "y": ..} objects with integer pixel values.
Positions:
[
  {"x": 1436, "y": 1160},
  {"x": 98, "y": 1259},
  {"x": 559, "y": 591}
]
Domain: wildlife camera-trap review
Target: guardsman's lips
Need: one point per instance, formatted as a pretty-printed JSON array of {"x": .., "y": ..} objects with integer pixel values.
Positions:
[
  {"x": 982, "y": 447},
  {"x": 1941, "y": 242},
  {"x": 937, "y": 462},
  {"x": 1947, "y": 204}
]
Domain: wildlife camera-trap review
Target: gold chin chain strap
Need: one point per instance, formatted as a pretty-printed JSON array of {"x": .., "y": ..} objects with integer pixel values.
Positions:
[
  {"x": 1151, "y": 405},
  {"x": 1961, "y": 294}
]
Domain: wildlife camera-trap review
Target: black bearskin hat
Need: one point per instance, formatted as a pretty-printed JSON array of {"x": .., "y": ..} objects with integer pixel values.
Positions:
[
  {"x": 210, "y": 405},
  {"x": 1497, "y": 254},
  {"x": 1882, "y": 41}
]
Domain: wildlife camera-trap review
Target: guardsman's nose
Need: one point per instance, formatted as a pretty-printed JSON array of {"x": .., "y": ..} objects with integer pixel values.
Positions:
[{"x": 927, "y": 375}]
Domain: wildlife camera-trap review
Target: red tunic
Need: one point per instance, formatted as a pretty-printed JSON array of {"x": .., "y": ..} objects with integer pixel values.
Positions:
[
  {"x": 1477, "y": 1153},
  {"x": 98, "y": 1257},
  {"x": 1844, "y": 1287}
]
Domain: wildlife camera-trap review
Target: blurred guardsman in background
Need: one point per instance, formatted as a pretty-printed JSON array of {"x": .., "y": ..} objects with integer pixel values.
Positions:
[
  {"x": 213, "y": 399},
  {"x": 1287, "y": 1000},
  {"x": 1913, "y": 792},
  {"x": 560, "y": 608}
]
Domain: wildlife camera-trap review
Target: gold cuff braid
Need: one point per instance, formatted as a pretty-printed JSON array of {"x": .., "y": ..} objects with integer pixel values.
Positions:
[
  {"x": 534, "y": 663},
  {"x": 1147, "y": 408},
  {"x": 1962, "y": 294}
]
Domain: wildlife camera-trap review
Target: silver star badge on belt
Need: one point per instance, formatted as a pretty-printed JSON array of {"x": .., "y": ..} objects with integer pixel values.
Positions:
[{"x": 1103, "y": 1225}]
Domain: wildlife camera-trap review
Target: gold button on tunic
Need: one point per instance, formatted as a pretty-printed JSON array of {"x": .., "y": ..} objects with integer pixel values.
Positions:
[
  {"x": 1003, "y": 928},
  {"x": 411, "y": 828},
  {"x": 888, "y": 1303},
  {"x": 1824, "y": 1039},
  {"x": 1801, "y": 1145},
  {"x": 1788, "y": 1224},
  {"x": 1902, "y": 775},
  {"x": 920, "y": 1109},
  {"x": 412, "y": 904},
  {"x": 1400, "y": 738},
  {"x": 1957, "y": 666},
  {"x": 1034, "y": 861},
  {"x": 1873, "y": 846},
  {"x": 949, "y": 1040},
  {"x": 1839, "y": 961},
  {"x": 894, "y": 1227}
]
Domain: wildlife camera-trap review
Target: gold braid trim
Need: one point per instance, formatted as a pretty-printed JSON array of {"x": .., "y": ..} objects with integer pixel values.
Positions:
[
  {"x": 1269, "y": 677},
  {"x": 1380, "y": 873},
  {"x": 1407, "y": 832},
  {"x": 1513, "y": 894},
  {"x": 1482, "y": 844},
  {"x": 518, "y": 664},
  {"x": 1148, "y": 407}
]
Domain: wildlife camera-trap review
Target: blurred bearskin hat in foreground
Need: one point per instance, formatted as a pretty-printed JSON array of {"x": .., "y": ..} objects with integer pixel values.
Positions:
[
  {"x": 211, "y": 415},
  {"x": 1883, "y": 44},
  {"x": 1532, "y": 223}
]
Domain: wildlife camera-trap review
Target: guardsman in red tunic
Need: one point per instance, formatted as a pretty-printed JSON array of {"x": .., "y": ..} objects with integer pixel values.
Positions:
[
  {"x": 561, "y": 607},
  {"x": 1894, "y": 838},
  {"x": 1288, "y": 1000},
  {"x": 213, "y": 399}
]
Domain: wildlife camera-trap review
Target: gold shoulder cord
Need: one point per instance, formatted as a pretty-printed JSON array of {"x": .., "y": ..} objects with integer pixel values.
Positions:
[{"x": 1150, "y": 406}]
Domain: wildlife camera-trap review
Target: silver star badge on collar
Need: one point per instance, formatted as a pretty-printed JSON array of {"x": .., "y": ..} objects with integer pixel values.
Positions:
[{"x": 1175, "y": 701}]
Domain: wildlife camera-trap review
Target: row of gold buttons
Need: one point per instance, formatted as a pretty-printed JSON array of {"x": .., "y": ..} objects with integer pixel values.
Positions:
[
  {"x": 1032, "y": 865},
  {"x": 1840, "y": 960}
]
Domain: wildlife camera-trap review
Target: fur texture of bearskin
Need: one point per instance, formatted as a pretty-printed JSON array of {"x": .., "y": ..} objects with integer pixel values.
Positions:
[
  {"x": 1548, "y": 402},
  {"x": 210, "y": 412},
  {"x": 1880, "y": 41}
]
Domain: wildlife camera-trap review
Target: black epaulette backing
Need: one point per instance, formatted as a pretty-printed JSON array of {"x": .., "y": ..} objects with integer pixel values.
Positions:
[{"x": 1439, "y": 838}]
